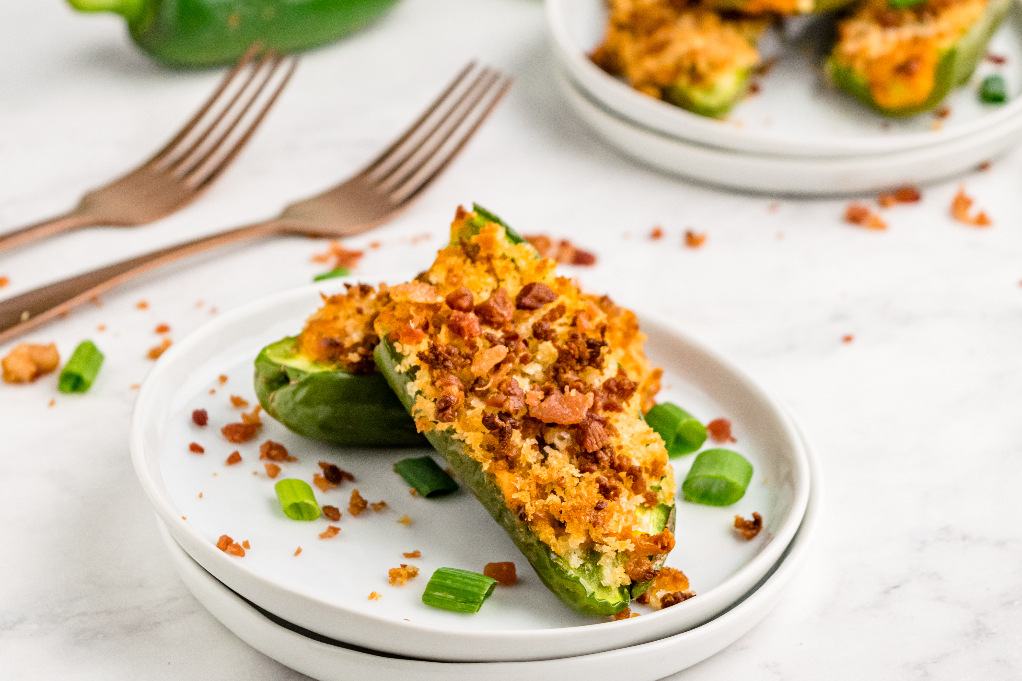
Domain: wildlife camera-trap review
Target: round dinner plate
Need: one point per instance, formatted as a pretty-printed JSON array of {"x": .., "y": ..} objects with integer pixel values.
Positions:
[
  {"x": 330, "y": 660},
  {"x": 326, "y": 588},
  {"x": 792, "y": 176},
  {"x": 796, "y": 113}
]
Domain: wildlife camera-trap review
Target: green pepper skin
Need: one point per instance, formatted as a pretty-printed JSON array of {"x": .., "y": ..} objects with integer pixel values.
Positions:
[
  {"x": 328, "y": 405},
  {"x": 714, "y": 101},
  {"x": 955, "y": 67},
  {"x": 204, "y": 33},
  {"x": 578, "y": 588}
]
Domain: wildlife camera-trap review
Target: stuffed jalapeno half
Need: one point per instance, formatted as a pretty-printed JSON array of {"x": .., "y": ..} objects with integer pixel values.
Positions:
[
  {"x": 323, "y": 383},
  {"x": 904, "y": 61},
  {"x": 688, "y": 54},
  {"x": 533, "y": 393}
]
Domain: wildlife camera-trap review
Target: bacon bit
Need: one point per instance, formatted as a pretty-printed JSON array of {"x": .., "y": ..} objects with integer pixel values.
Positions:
[
  {"x": 357, "y": 504},
  {"x": 378, "y": 506},
  {"x": 223, "y": 379},
  {"x": 670, "y": 587},
  {"x": 460, "y": 299},
  {"x": 413, "y": 492},
  {"x": 340, "y": 256},
  {"x": 413, "y": 554},
  {"x": 196, "y": 448},
  {"x": 142, "y": 305},
  {"x": 749, "y": 528},
  {"x": 375, "y": 596},
  {"x": 238, "y": 401},
  {"x": 27, "y": 362},
  {"x": 162, "y": 328},
  {"x": 487, "y": 359},
  {"x": 907, "y": 194},
  {"x": 200, "y": 417},
  {"x": 405, "y": 520},
  {"x": 252, "y": 418},
  {"x": 155, "y": 352},
  {"x": 229, "y": 546},
  {"x": 334, "y": 474},
  {"x": 943, "y": 112},
  {"x": 400, "y": 575},
  {"x": 984, "y": 166},
  {"x": 562, "y": 251},
  {"x": 212, "y": 391},
  {"x": 497, "y": 310},
  {"x": 322, "y": 483},
  {"x": 298, "y": 550},
  {"x": 240, "y": 432},
  {"x": 720, "y": 430},
  {"x": 535, "y": 295},
  {"x": 502, "y": 572},
  {"x": 234, "y": 458},
  {"x": 4, "y": 281},
  {"x": 960, "y": 210},
  {"x": 329, "y": 532},
  {"x": 332, "y": 513},
  {"x": 271, "y": 470},
  {"x": 693, "y": 240},
  {"x": 274, "y": 451},
  {"x": 625, "y": 614},
  {"x": 409, "y": 335},
  {"x": 567, "y": 408},
  {"x": 464, "y": 324},
  {"x": 246, "y": 545},
  {"x": 847, "y": 339},
  {"x": 657, "y": 234},
  {"x": 996, "y": 58},
  {"x": 857, "y": 214}
]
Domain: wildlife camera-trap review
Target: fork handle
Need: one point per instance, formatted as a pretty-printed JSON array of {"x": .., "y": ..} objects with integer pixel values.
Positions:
[
  {"x": 47, "y": 228},
  {"x": 23, "y": 313}
]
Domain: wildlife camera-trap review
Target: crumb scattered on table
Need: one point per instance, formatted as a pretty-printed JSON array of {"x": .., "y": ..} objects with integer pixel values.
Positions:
[
  {"x": 155, "y": 352},
  {"x": 858, "y": 214},
  {"x": 332, "y": 513},
  {"x": 694, "y": 240},
  {"x": 28, "y": 361},
  {"x": 357, "y": 504},
  {"x": 329, "y": 532},
  {"x": 234, "y": 458},
  {"x": 960, "y": 207},
  {"x": 196, "y": 448}
]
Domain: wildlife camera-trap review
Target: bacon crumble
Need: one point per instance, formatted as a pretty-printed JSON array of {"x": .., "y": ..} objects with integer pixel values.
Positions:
[
  {"x": 196, "y": 448},
  {"x": 749, "y": 528},
  {"x": 504, "y": 573},
  {"x": 200, "y": 417},
  {"x": 332, "y": 513},
  {"x": 155, "y": 352},
  {"x": 357, "y": 504},
  {"x": 719, "y": 430},
  {"x": 329, "y": 532}
]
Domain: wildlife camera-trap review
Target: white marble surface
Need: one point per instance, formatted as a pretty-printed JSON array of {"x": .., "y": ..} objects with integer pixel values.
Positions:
[{"x": 916, "y": 574}]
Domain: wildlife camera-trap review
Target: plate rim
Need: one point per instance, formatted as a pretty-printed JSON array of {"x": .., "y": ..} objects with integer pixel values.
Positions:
[
  {"x": 652, "y": 113},
  {"x": 278, "y": 598}
]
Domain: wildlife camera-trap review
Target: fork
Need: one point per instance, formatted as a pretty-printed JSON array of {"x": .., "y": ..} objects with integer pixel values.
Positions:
[
  {"x": 183, "y": 169},
  {"x": 371, "y": 197}
]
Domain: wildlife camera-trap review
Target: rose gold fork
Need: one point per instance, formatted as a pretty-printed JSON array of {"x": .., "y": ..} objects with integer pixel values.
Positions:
[
  {"x": 186, "y": 167},
  {"x": 373, "y": 196}
]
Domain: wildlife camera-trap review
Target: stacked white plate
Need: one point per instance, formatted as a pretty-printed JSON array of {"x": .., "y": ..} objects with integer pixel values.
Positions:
[
  {"x": 312, "y": 611},
  {"x": 798, "y": 135}
]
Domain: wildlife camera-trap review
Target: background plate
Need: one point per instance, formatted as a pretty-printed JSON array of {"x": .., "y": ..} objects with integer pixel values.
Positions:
[
  {"x": 325, "y": 589},
  {"x": 796, "y": 112}
]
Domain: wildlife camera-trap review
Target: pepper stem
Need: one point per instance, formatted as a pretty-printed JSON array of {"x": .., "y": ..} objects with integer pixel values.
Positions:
[{"x": 129, "y": 9}]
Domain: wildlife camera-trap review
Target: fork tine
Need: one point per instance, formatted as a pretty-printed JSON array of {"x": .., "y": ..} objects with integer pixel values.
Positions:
[
  {"x": 428, "y": 180},
  {"x": 249, "y": 55},
  {"x": 481, "y": 79},
  {"x": 243, "y": 96},
  {"x": 229, "y": 157},
  {"x": 418, "y": 123},
  {"x": 222, "y": 135}
]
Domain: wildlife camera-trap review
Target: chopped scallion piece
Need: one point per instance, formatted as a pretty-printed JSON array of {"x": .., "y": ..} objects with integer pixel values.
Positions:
[
  {"x": 681, "y": 432},
  {"x": 428, "y": 479},
  {"x": 902, "y": 4},
  {"x": 994, "y": 90},
  {"x": 296, "y": 499},
  {"x": 332, "y": 274},
  {"x": 79, "y": 373},
  {"x": 718, "y": 477},
  {"x": 458, "y": 590},
  {"x": 512, "y": 236}
]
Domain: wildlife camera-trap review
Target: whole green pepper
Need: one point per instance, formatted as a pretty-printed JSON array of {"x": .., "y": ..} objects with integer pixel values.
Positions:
[
  {"x": 201, "y": 33},
  {"x": 579, "y": 587},
  {"x": 954, "y": 66},
  {"x": 329, "y": 404}
]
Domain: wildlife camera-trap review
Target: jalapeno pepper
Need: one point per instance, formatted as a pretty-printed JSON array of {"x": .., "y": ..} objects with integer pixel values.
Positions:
[
  {"x": 917, "y": 70},
  {"x": 329, "y": 404},
  {"x": 580, "y": 587},
  {"x": 200, "y": 33}
]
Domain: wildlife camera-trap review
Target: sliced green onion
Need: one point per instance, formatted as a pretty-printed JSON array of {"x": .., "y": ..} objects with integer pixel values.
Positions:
[
  {"x": 338, "y": 272},
  {"x": 994, "y": 90},
  {"x": 80, "y": 371},
  {"x": 296, "y": 499},
  {"x": 718, "y": 477},
  {"x": 902, "y": 4},
  {"x": 458, "y": 590},
  {"x": 681, "y": 432},
  {"x": 428, "y": 479},
  {"x": 512, "y": 236}
]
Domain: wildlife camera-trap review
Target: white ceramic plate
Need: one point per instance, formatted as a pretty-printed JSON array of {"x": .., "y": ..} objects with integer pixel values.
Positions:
[
  {"x": 329, "y": 660},
  {"x": 795, "y": 113},
  {"x": 793, "y": 176},
  {"x": 326, "y": 588}
]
